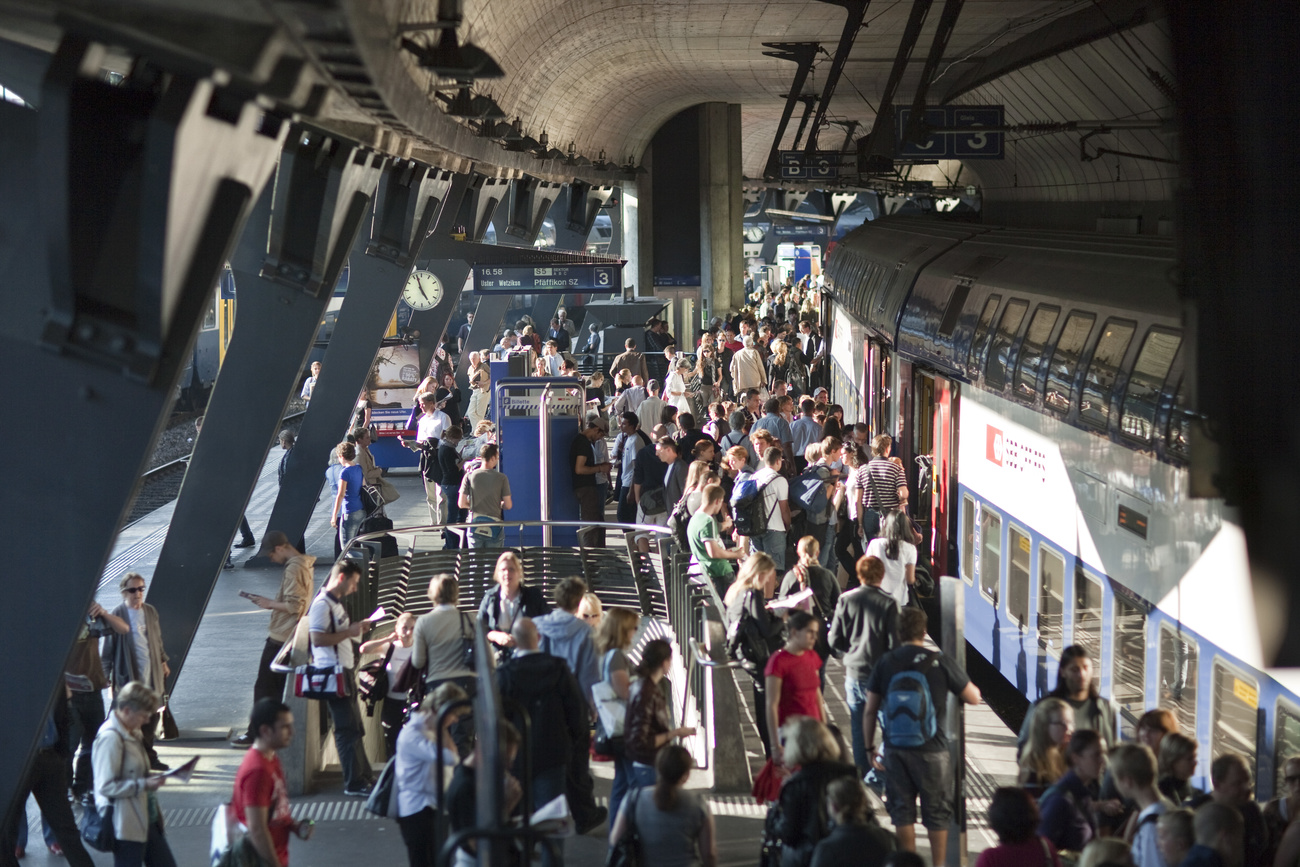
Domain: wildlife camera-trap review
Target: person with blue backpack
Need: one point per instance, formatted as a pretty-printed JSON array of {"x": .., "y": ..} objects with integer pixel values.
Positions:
[{"x": 905, "y": 689}]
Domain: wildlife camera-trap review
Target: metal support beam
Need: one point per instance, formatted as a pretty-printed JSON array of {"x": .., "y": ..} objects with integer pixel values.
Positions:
[
  {"x": 94, "y": 150},
  {"x": 803, "y": 54},
  {"x": 855, "y": 12},
  {"x": 409, "y": 198},
  {"x": 879, "y": 144},
  {"x": 432, "y": 323},
  {"x": 580, "y": 209},
  {"x": 942, "y": 33},
  {"x": 479, "y": 205},
  {"x": 321, "y": 197}
]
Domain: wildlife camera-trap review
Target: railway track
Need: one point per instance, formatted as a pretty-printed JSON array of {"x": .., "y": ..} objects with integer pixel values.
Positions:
[{"x": 160, "y": 485}]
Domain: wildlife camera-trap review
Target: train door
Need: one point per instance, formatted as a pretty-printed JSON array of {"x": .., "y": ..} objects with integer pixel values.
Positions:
[
  {"x": 931, "y": 465},
  {"x": 876, "y": 386}
]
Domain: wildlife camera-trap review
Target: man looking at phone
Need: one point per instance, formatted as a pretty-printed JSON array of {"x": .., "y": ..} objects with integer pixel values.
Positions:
[
  {"x": 287, "y": 608},
  {"x": 261, "y": 798}
]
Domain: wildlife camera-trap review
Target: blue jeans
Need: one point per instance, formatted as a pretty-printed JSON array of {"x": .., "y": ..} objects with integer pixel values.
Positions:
[
  {"x": 622, "y": 782},
  {"x": 451, "y": 538},
  {"x": 642, "y": 776},
  {"x": 827, "y": 556},
  {"x": 855, "y": 694},
  {"x": 350, "y": 526},
  {"x": 772, "y": 543},
  {"x": 480, "y": 539},
  {"x": 154, "y": 852}
]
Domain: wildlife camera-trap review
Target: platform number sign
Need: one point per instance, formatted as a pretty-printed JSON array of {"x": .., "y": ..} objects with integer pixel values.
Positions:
[{"x": 967, "y": 143}]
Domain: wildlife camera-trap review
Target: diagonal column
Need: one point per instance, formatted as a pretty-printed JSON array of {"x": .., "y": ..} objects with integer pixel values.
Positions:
[
  {"x": 410, "y": 198},
  {"x": 287, "y": 262},
  {"x": 102, "y": 306}
]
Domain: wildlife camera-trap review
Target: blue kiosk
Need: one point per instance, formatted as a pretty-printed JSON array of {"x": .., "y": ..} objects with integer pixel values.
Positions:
[{"x": 536, "y": 420}]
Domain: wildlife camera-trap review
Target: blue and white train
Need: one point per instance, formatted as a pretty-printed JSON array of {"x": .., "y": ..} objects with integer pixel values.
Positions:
[{"x": 1036, "y": 386}]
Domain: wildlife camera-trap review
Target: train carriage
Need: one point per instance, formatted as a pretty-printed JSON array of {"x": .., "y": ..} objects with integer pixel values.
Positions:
[{"x": 1035, "y": 386}]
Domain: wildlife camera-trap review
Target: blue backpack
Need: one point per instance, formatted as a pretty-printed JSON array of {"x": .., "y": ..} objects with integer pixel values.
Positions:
[
  {"x": 810, "y": 491},
  {"x": 907, "y": 718}
]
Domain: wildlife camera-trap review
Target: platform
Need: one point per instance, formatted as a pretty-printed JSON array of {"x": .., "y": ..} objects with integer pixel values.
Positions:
[{"x": 214, "y": 694}]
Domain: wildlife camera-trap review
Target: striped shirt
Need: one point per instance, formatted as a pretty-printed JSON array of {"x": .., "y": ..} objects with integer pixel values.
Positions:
[{"x": 879, "y": 480}]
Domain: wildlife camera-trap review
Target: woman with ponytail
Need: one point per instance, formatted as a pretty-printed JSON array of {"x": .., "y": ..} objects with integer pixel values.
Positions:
[{"x": 675, "y": 825}]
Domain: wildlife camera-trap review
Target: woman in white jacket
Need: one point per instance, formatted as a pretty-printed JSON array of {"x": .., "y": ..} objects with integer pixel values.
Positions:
[{"x": 122, "y": 780}]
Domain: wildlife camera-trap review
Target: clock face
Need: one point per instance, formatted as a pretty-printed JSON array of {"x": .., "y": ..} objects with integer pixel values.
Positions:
[{"x": 423, "y": 290}]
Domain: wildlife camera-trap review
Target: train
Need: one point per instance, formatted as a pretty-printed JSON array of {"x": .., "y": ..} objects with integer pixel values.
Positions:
[{"x": 1037, "y": 387}]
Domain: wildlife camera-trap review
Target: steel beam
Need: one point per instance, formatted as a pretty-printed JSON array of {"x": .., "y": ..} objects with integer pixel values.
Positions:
[
  {"x": 947, "y": 21},
  {"x": 311, "y": 217},
  {"x": 85, "y": 336},
  {"x": 855, "y": 12},
  {"x": 802, "y": 54},
  {"x": 409, "y": 198}
]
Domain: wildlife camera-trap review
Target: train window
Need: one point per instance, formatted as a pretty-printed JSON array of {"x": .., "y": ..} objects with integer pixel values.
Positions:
[
  {"x": 1129, "y": 653},
  {"x": 1019, "y": 558},
  {"x": 995, "y": 374},
  {"x": 210, "y": 315},
  {"x": 1146, "y": 382},
  {"x": 956, "y": 303},
  {"x": 967, "y": 539},
  {"x": 990, "y": 552},
  {"x": 1060, "y": 375},
  {"x": 1094, "y": 407},
  {"x": 1180, "y": 424},
  {"x": 976, "y": 355},
  {"x": 1087, "y": 616},
  {"x": 1031, "y": 351},
  {"x": 1051, "y": 598},
  {"x": 1178, "y": 676},
  {"x": 1286, "y": 742},
  {"x": 1234, "y": 713}
]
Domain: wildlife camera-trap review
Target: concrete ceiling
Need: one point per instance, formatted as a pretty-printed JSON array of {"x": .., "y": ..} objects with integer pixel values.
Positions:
[{"x": 606, "y": 74}]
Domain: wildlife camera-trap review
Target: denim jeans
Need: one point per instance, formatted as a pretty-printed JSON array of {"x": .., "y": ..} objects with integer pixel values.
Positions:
[
  {"x": 451, "y": 538},
  {"x": 350, "y": 526},
  {"x": 642, "y": 776},
  {"x": 855, "y": 694},
  {"x": 622, "y": 782},
  {"x": 772, "y": 543},
  {"x": 827, "y": 556},
  {"x": 548, "y": 785},
  {"x": 479, "y": 539}
]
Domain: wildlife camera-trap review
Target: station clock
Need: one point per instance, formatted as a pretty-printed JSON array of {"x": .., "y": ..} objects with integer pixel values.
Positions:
[{"x": 423, "y": 290}]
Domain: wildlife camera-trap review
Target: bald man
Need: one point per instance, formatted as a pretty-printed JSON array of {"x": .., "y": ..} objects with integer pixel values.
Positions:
[{"x": 543, "y": 685}]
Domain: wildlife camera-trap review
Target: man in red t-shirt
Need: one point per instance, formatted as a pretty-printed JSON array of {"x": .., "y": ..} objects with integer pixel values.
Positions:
[{"x": 261, "y": 799}]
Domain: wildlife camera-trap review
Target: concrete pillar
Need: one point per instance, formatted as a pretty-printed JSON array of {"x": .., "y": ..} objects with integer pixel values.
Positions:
[
  {"x": 721, "y": 207},
  {"x": 629, "y": 231}
]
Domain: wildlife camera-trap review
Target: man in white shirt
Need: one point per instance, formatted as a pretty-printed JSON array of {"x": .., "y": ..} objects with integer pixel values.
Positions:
[
  {"x": 309, "y": 384},
  {"x": 747, "y": 369},
  {"x": 776, "y": 505},
  {"x": 1133, "y": 767},
  {"x": 332, "y": 634},
  {"x": 429, "y": 431},
  {"x": 631, "y": 398}
]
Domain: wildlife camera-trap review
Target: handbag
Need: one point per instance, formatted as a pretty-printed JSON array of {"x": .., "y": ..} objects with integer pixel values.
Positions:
[
  {"x": 654, "y": 501},
  {"x": 372, "y": 681},
  {"x": 388, "y": 490},
  {"x": 320, "y": 681},
  {"x": 381, "y": 801},
  {"x": 627, "y": 851},
  {"x": 97, "y": 827},
  {"x": 611, "y": 709}
]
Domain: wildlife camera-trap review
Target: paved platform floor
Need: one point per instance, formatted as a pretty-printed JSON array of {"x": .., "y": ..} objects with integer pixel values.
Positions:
[{"x": 214, "y": 694}]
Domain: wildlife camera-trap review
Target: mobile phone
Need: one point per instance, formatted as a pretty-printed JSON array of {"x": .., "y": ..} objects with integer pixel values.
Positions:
[{"x": 245, "y": 594}]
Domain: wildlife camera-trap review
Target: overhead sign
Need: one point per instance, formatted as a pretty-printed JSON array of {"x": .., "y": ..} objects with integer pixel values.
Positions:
[
  {"x": 547, "y": 279},
  {"x": 960, "y": 144},
  {"x": 819, "y": 165}
]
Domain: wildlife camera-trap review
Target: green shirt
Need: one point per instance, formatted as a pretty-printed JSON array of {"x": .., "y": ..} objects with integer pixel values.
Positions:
[{"x": 702, "y": 528}]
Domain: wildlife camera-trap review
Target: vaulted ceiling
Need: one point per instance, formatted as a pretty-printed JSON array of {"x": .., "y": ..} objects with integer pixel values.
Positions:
[{"x": 606, "y": 74}]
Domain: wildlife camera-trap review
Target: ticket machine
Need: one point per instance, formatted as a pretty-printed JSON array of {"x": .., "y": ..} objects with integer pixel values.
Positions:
[{"x": 536, "y": 421}]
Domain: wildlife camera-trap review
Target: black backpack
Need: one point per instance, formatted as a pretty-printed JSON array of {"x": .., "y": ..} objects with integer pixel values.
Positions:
[{"x": 678, "y": 520}]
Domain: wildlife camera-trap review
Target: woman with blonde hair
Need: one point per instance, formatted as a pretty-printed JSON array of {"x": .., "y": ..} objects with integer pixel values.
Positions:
[
  {"x": 439, "y": 641},
  {"x": 590, "y": 611},
  {"x": 787, "y": 365},
  {"x": 747, "y": 597},
  {"x": 509, "y": 599},
  {"x": 613, "y": 641},
  {"x": 1042, "y": 761},
  {"x": 813, "y": 752}
]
